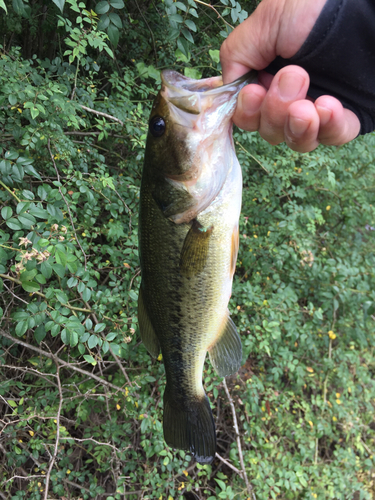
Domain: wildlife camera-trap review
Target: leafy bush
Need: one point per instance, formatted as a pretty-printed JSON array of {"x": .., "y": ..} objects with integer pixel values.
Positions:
[{"x": 81, "y": 399}]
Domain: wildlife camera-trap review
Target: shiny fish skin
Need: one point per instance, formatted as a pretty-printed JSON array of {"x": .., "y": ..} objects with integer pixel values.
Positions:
[{"x": 188, "y": 238}]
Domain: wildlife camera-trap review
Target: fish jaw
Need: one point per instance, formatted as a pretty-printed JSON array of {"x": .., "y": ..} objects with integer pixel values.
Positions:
[{"x": 190, "y": 159}]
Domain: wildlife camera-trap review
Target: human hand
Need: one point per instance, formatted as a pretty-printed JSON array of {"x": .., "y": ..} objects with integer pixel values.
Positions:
[{"x": 279, "y": 107}]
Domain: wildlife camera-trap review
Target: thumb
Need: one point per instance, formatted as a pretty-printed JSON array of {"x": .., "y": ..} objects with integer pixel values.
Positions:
[{"x": 252, "y": 44}]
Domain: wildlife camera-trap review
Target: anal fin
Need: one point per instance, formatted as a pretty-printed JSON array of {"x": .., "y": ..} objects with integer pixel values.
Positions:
[
  {"x": 148, "y": 334},
  {"x": 190, "y": 428},
  {"x": 195, "y": 249},
  {"x": 226, "y": 353}
]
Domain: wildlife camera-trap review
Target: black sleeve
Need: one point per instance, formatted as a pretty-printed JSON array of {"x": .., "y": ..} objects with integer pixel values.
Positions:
[{"x": 339, "y": 55}]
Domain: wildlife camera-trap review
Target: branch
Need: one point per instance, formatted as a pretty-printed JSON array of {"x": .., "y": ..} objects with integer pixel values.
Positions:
[
  {"x": 53, "y": 459},
  {"x": 60, "y": 361},
  {"x": 81, "y": 309},
  {"x": 66, "y": 203},
  {"x": 100, "y": 113},
  {"x": 235, "y": 425}
]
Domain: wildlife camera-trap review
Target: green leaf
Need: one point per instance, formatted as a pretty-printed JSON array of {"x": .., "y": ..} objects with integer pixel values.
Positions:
[
  {"x": 30, "y": 286},
  {"x": 117, "y": 4},
  {"x": 215, "y": 55},
  {"x": 28, "y": 275},
  {"x": 59, "y": 270},
  {"x": 73, "y": 339},
  {"x": 113, "y": 34},
  {"x": 89, "y": 359},
  {"x": 99, "y": 327},
  {"x": 88, "y": 323},
  {"x": 3, "y": 6},
  {"x": 187, "y": 35},
  {"x": 103, "y": 23},
  {"x": 27, "y": 194},
  {"x": 93, "y": 341},
  {"x": 191, "y": 25},
  {"x": 12, "y": 403},
  {"x": 86, "y": 294},
  {"x": 183, "y": 45},
  {"x": 102, "y": 7},
  {"x": 27, "y": 220},
  {"x": 115, "y": 19},
  {"x": 61, "y": 296},
  {"x": 111, "y": 336},
  {"x": 6, "y": 213},
  {"x": 46, "y": 269},
  {"x": 40, "y": 333},
  {"x": 21, "y": 327},
  {"x": 60, "y": 4}
]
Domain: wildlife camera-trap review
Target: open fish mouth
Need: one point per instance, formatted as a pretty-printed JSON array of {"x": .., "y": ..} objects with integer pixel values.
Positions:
[{"x": 195, "y": 96}]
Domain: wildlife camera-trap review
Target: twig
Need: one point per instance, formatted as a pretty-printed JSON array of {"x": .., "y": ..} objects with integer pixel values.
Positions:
[
  {"x": 228, "y": 464},
  {"x": 53, "y": 459},
  {"x": 217, "y": 12},
  {"x": 15, "y": 296},
  {"x": 81, "y": 309},
  {"x": 151, "y": 33},
  {"x": 60, "y": 361},
  {"x": 66, "y": 203},
  {"x": 235, "y": 425},
  {"x": 94, "y": 441},
  {"x": 100, "y": 113},
  {"x": 247, "y": 152}
]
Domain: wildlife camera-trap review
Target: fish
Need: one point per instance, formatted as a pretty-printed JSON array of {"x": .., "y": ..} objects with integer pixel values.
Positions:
[{"x": 190, "y": 203}]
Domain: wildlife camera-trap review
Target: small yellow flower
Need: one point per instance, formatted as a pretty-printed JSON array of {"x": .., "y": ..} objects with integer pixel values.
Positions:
[
  {"x": 338, "y": 401},
  {"x": 68, "y": 471},
  {"x": 334, "y": 419},
  {"x": 55, "y": 421},
  {"x": 309, "y": 369},
  {"x": 182, "y": 486},
  {"x": 265, "y": 302},
  {"x": 311, "y": 424},
  {"x": 126, "y": 391},
  {"x": 160, "y": 357},
  {"x": 20, "y": 441},
  {"x": 31, "y": 433},
  {"x": 331, "y": 335},
  {"x": 269, "y": 232},
  {"x": 83, "y": 234},
  {"x": 338, "y": 395},
  {"x": 185, "y": 472},
  {"x": 328, "y": 207},
  {"x": 136, "y": 404},
  {"x": 255, "y": 236},
  {"x": 19, "y": 110},
  {"x": 238, "y": 308},
  {"x": 267, "y": 278},
  {"x": 118, "y": 407}
]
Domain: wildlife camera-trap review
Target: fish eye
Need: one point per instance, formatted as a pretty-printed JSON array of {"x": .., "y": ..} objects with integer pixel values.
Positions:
[{"x": 157, "y": 126}]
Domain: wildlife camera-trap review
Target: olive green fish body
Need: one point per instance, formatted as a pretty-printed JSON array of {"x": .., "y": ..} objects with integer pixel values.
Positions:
[{"x": 188, "y": 247}]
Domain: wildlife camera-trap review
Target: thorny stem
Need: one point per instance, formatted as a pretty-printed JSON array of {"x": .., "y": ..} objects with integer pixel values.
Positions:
[
  {"x": 9, "y": 191},
  {"x": 66, "y": 203},
  {"x": 235, "y": 425}
]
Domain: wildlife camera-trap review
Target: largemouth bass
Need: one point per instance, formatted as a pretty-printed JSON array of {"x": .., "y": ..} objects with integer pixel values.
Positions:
[{"x": 190, "y": 204}]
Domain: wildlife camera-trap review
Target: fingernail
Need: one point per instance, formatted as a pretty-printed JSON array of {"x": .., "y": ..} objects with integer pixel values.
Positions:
[
  {"x": 297, "y": 126},
  {"x": 290, "y": 85},
  {"x": 325, "y": 114}
]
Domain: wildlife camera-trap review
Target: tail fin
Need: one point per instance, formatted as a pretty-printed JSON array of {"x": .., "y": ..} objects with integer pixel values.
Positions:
[{"x": 191, "y": 428}]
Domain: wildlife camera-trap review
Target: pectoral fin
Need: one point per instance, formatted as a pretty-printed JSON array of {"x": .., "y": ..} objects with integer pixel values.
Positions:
[
  {"x": 195, "y": 249},
  {"x": 148, "y": 335},
  {"x": 226, "y": 353}
]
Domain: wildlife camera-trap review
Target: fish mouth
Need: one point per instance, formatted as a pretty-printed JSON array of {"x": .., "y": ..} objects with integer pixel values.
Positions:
[{"x": 195, "y": 96}]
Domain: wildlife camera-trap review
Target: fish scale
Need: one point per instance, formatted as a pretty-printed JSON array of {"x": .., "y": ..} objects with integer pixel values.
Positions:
[{"x": 190, "y": 203}]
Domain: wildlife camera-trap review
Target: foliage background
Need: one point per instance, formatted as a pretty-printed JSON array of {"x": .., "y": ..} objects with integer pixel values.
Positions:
[{"x": 80, "y": 398}]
